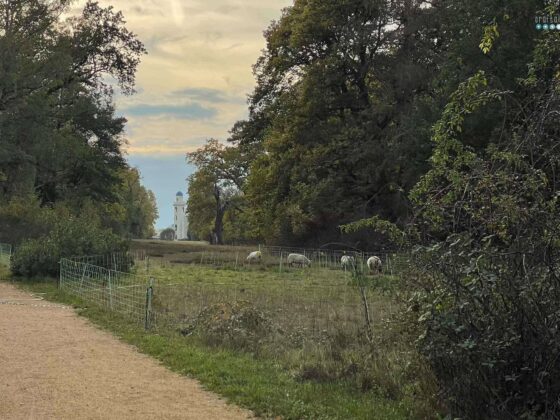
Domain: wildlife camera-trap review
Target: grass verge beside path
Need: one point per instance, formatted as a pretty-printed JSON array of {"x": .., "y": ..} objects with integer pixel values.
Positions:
[{"x": 263, "y": 387}]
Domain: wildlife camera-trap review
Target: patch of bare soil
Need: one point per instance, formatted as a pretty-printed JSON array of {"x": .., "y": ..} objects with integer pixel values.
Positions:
[{"x": 56, "y": 365}]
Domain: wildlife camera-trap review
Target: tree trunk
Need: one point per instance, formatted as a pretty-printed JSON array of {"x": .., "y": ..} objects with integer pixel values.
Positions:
[{"x": 218, "y": 233}]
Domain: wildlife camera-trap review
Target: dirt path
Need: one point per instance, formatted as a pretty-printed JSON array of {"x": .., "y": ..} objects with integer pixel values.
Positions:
[{"x": 56, "y": 365}]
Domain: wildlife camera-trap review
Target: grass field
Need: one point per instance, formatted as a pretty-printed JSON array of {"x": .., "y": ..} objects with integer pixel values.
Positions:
[
  {"x": 274, "y": 258},
  {"x": 310, "y": 322}
]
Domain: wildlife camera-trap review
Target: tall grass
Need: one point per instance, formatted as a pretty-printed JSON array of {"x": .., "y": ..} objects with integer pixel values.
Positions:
[{"x": 311, "y": 322}]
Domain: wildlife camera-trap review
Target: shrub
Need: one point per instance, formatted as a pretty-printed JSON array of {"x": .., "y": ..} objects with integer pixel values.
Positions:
[
  {"x": 487, "y": 297},
  {"x": 67, "y": 238}
]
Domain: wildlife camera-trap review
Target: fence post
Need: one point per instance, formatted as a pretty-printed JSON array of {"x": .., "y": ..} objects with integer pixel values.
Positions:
[
  {"x": 149, "y": 298},
  {"x": 83, "y": 276},
  {"x": 236, "y": 259},
  {"x": 59, "y": 285},
  {"x": 110, "y": 292},
  {"x": 281, "y": 262}
]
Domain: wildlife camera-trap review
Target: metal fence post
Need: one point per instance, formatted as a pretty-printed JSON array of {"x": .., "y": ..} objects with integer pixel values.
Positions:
[
  {"x": 149, "y": 298},
  {"x": 83, "y": 276},
  {"x": 110, "y": 292}
]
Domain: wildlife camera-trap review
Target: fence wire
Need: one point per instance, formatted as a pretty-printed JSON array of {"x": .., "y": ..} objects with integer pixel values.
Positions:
[
  {"x": 287, "y": 313},
  {"x": 276, "y": 258},
  {"x": 110, "y": 289},
  {"x": 308, "y": 312}
]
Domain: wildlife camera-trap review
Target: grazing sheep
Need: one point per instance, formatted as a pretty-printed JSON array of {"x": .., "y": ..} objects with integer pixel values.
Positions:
[
  {"x": 374, "y": 264},
  {"x": 254, "y": 256},
  {"x": 347, "y": 262},
  {"x": 298, "y": 259}
]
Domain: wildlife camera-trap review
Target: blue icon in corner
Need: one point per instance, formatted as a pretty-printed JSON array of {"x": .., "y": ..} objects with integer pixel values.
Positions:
[
  {"x": 539, "y": 26},
  {"x": 545, "y": 27}
]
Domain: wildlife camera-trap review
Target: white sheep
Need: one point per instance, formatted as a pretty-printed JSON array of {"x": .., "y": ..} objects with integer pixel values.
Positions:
[
  {"x": 347, "y": 262},
  {"x": 298, "y": 259},
  {"x": 254, "y": 256},
  {"x": 374, "y": 264}
]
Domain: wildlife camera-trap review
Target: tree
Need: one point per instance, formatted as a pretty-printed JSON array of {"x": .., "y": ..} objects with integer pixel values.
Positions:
[
  {"x": 60, "y": 141},
  {"x": 139, "y": 204},
  {"x": 325, "y": 114},
  {"x": 347, "y": 92},
  {"x": 167, "y": 234},
  {"x": 201, "y": 206},
  {"x": 59, "y": 136},
  {"x": 214, "y": 188},
  {"x": 484, "y": 291}
]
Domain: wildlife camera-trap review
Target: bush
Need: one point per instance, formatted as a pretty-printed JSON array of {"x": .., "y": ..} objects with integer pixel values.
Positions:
[
  {"x": 24, "y": 218},
  {"x": 487, "y": 297},
  {"x": 67, "y": 238}
]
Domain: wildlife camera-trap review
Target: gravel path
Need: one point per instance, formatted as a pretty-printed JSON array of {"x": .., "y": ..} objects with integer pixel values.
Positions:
[{"x": 56, "y": 365}]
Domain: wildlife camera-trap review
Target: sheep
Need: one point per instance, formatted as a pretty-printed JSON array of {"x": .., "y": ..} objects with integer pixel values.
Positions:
[
  {"x": 254, "y": 256},
  {"x": 347, "y": 262},
  {"x": 374, "y": 264},
  {"x": 298, "y": 259}
]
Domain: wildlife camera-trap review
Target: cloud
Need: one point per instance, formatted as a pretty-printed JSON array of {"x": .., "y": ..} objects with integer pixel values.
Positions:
[
  {"x": 187, "y": 112},
  {"x": 207, "y": 95}
]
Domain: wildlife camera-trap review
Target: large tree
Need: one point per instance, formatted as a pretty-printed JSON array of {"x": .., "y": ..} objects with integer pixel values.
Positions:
[
  {"x": 347, "y": 92},
  {"x": 484, "y": 301},
  {"x": 59, "y": 137},
  {"x": 214, "y": 188},
  {"x": 60, "y": 140}
]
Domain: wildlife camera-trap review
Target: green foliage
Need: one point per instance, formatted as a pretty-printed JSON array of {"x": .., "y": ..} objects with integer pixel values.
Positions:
[
  {"x": 490, "y": 35},
  {"x": 215, "y": 190},
  {"x": 485, "y": 296},
  {"x": 140, "y": 209},
  {"x": 347, "y": 94},
  {"x": 23, "y": 218},
  {"x": 390, "y": 230},
  {"x": 201, "y": 206},
  {"x": 167, "y": 234},
  {"x": 60, "y": 140},
  {"x": 67, "y": 238}
]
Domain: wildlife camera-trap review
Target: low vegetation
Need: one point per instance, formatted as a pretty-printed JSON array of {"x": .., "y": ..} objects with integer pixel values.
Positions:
[{"x": 313, "y": 322}]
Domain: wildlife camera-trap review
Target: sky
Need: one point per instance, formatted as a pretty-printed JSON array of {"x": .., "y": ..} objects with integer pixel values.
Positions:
[{"x": 192, "y": 85}]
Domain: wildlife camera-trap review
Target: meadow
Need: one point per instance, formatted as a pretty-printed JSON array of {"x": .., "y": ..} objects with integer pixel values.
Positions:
[{"x": 320, "y": 325}]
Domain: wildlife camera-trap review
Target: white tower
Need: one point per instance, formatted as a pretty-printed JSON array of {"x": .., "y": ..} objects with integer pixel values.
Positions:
[{"x": 181, "y": 223}]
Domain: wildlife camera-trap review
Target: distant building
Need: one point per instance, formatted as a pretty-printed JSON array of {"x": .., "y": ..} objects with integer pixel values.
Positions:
[{"x": 181, "y": 225}]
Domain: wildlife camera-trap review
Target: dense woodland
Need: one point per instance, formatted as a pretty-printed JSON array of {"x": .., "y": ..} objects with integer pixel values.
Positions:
[
  {"x": 341, "y": 121},
  {"x": 62, "y": 170}
]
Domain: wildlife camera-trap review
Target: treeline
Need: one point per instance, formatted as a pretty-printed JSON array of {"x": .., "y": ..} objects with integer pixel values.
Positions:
[
  {"x": 63, "y": 177},
  {"x": 340, "y": 122},
  {"x": 433, "y": 126}
]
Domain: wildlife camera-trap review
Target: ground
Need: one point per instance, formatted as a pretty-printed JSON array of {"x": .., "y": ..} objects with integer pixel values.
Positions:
[{"x": 55, "y": 364}]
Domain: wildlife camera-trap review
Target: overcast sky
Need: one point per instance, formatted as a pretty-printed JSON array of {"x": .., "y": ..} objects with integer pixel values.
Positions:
[{"x": 193, "y": 83}]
